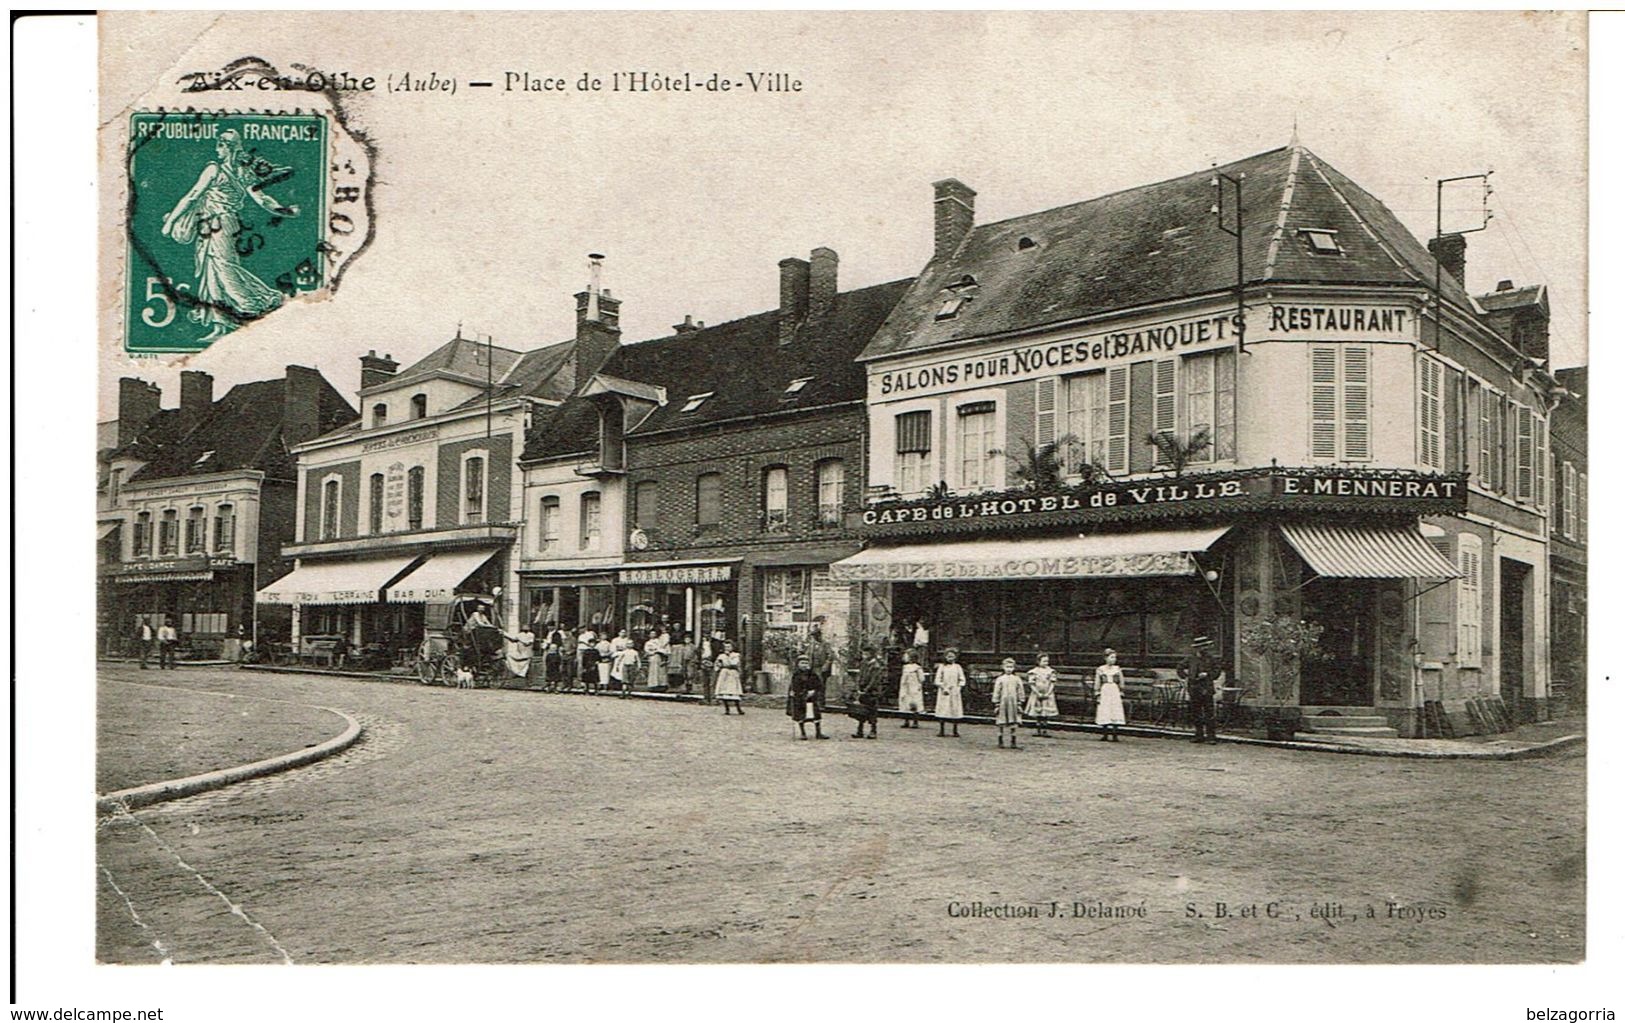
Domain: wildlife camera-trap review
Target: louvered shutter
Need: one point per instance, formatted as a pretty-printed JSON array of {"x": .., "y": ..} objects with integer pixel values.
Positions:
[
  {"x": 1044, "y": 401},
  {"x": 1323, "y": 402},
  {"x": 1486, "y": 439},
  {"x": 1163, "y": 406},
  {"x": 1117, "y": 419},
  {"x": 1526, "y": 453},
  {"x": 1428, "y": 414},
  {"x": 1540, "y": 462},
  {"x": 1469, "y": 603},
  {"x": 1356, "y": 402}
]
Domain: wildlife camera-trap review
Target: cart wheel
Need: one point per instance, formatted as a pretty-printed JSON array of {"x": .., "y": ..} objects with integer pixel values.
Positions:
[
  {"x": 428, "y": 672},
  {"x": 448, "y": 670}
]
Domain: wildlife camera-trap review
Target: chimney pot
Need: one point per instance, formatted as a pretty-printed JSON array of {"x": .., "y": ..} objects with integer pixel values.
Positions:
[
  {"x": 1451, "y": 252},
  {"x": 794, "y": 282},
  {"x": 301, "y": 405},
  {"x": 1503, "y": 286},
  {"x": 375, "y": 370},
  {"x": 138, "y": 402},
  {"x": 197, "y": 392},
  {"x": 688, "y": 325},
  {"x": 825, "y": 266},
  {"x": 955, "y": 214}
]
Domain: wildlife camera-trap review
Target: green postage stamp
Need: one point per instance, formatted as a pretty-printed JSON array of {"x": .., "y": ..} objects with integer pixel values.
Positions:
[{"x": 227, "y": 219}]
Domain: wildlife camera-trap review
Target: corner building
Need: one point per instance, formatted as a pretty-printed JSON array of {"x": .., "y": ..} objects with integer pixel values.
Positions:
[{"x": 1366, "y": 467}]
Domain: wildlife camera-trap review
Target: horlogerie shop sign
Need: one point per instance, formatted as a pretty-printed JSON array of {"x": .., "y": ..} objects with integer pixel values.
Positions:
[{"x": 1263, "y": 489}]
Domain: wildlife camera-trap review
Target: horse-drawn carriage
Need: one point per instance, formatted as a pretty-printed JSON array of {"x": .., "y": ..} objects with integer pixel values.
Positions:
[{"x": 458, "y": 637}]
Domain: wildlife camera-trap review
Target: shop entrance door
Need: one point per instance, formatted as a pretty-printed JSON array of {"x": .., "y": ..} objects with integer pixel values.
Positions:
[
  {"x": 1514, "y": 576},
  {"x": 1343, "y": 675}
]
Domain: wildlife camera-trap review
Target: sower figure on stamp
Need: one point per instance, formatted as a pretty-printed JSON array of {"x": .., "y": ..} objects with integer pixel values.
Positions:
[
  {"x": 950, "y": 682},
  {"x": 864, "y": 704},
  {"x": 1199, "y": 674},
  {"x": 801, "y": 702}
]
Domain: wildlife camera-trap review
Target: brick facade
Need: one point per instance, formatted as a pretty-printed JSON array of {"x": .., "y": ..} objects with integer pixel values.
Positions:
[
  {"x": 349, "y": 499},
  {"x": 499, "y": 485}
]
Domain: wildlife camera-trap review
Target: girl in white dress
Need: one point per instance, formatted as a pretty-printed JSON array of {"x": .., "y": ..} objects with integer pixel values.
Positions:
[
  {"x": 730, "y": 689},
  {"x": 1041, "y": 703},
  {"x": 950, "y": 682},
  {"x": 911, "y": 690},
  {"x": 1007, "y": 702},
  {"x": 1109, "y": 697}
]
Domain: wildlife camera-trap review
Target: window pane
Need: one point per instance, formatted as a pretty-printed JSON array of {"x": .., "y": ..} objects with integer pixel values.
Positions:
[
  {"x": 777, "y": 497},
  {"x": 831, "y": 491},
  {"x": 414, "y": 498},
  {"x": 914, "y": 432},
  {"x": 708, "y": 499},
  {"x": 375, "y": 503},
  {"x": 474, "y": 489}
]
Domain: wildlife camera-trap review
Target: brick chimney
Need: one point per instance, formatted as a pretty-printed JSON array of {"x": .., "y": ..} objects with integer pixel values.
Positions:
[
  {"x": 376, "y": 369},
  {"x": 688, "y": 326},
  {"x": 821, "y": 287},
  {"x": 301, "y": 405},
  {"x": 1451, "y": 252},
  {"x": 795, "y": 280},
  {"x": 197, "y": 393},
  {"x": 598, "y": 323},
  {"x": 955, "y": 206},
  {"x": 137, "y": 403}
]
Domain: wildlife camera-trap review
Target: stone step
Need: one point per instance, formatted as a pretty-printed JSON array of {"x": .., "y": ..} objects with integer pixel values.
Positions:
[
  {"x": 1367, "y": 731},
  {"x": 1345, "y": 721}
]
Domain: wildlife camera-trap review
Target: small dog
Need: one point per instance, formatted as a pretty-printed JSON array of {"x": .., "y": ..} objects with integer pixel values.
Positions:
[{"x": 465, "y": 679}]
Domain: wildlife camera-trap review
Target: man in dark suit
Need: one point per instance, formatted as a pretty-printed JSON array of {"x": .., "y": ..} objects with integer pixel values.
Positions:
[{"x": 1200, "y": 672}]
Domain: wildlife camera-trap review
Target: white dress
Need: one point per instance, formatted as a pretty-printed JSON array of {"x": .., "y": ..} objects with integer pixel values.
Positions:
[
  {"x": 950, "y": 684},
  {"x": 1109, "y": 695},
  {"x": 728, "y": 682},
  {"x": 911, "y": 689}
]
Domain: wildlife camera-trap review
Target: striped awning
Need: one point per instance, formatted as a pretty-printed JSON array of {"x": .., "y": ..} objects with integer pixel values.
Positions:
[{"x": 1368, "y": 552}]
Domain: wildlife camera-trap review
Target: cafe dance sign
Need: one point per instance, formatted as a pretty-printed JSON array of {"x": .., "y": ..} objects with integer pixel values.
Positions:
[{"x": 1270, "y": 488}]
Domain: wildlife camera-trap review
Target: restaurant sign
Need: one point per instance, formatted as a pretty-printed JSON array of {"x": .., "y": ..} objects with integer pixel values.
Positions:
[{"x": 1264, "y": 488}]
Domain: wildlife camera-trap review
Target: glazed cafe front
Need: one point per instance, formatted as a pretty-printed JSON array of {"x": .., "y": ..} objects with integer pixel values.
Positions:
[{"x": 1144, "y": 567}]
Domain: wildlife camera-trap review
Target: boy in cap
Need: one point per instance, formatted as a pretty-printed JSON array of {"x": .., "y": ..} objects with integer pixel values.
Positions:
[{"x": 1199, "y": 674}]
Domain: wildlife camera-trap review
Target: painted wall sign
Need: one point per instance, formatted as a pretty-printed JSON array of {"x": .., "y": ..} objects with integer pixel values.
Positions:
[
  {"x": 677, "y": 574},
  {"x": 400, "y": 440},
  {"x": 199, "y": 563},
  {"x": 395, "y": 496},
  {"x": 1324, "y": 320},
  {"x": 1121, "y": 565}
]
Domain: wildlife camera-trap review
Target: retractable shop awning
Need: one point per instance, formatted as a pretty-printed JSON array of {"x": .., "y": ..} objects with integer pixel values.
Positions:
[
  {"x": 438, "y": 578},
  {"x": 1368, "y": 552},
  {"x": 335, "y": 582},
  {"x": 105, "y": 530},
  {"x": 1148, "y": 553}
]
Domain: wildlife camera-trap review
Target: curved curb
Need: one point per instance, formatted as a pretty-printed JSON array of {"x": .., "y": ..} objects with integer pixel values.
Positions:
[{"x": 179, "y": 788}]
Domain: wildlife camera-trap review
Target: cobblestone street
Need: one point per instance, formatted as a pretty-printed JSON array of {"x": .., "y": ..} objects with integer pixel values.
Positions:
[{"x": 496, "y": 826}]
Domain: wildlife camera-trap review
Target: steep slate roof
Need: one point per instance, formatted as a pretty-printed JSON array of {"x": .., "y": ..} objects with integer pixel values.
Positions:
[
  {"x": 1514, "y": 298},
  {"x": 535, "y": 373},
  {"x": 243, "y": 429},
  {"x": 463, "y": 356},
  {"x": 1158, "y": 242},
  {"x": 741, "y": 362}
]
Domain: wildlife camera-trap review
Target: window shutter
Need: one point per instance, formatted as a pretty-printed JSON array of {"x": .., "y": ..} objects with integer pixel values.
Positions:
[
  {"x": 1428, "y": 414},
  {"x": 1581, "y": 534},
  {"x": 1455, "y": 418},
  {"x": 1486, "y": 439},
  {"x": 1356, "y": 402},
  {"x": 1323, "y": 402},
  {"x": 1570, "y": 501},
  {"x": 914, "y": 432},
  {"x": 1540, "y": 462},
  {"x": 1044, "y": 401},
  {"x": 1163, "y": 401},
  {"x": 1526, "y": 453},
  {"x": 1469, "y": 605},
  {"x": 1117, "y": 419}
]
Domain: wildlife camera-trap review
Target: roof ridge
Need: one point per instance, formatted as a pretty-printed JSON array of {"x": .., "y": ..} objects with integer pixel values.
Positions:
[
  {"x": 1382, "y": 244},
  {"x": 1286, "y": 208},
  {"x": 765, "y": 312}
]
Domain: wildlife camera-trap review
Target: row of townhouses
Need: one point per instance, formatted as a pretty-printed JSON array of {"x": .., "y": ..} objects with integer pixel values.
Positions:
[{"x": 1106, "y": 425}]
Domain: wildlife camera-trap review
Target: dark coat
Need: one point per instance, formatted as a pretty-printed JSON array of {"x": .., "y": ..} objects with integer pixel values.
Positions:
[
  {"x": 805, "y": 687},
  {"x": 1199, "y": 672},
  {"x": 865, "y": 700}
]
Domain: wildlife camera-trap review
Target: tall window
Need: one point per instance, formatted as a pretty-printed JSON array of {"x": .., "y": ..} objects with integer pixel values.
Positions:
[
  {"x": 196, "y": 525},
  {"x": 1571, "y": 501},
  {"x": 1486, "y": 438},
  {"x": 414, "y": 497},
  {"x": 225, "y": 529},
  {"x": 784, "y": 595},
  {"x": 380, "y": 414},
  {"x": 420, "y": 406},
  {"x": 169, "y": 532},
  {"x": 375, "y": 503},
  {"x": 550, "y": 525},
  {"x": 1340, "y": 402},
  {"x": 474, "y": 488},
  {"x": 141, "y": 541},
  {"x": 1525, "y": 425},
  {"x": 1164, "y": 399},
  {"x": 914, "y": 451},
  {"x": 708, "y": 499},
  {"x": 1210, "y": 402},
  {"x": 1091, "y": 416},
  {"x": 1541, "y": 457},
  {"x": 1430, "y": 412},
  {"x": 831, "y": 491},
  {"x": 1469, "y": 603},
  {"x": 331, "y": 495},
  {"x": 776, "y": 498},
  {"x": 591, "y": 520},
  {"x": 645, "y": 505},
  {"x": 115, "y": 480},
  {"x": 977, "y": 444}
]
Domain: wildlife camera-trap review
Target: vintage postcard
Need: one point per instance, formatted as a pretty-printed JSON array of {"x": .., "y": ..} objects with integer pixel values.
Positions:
[{"x": 1130, "y": 469}]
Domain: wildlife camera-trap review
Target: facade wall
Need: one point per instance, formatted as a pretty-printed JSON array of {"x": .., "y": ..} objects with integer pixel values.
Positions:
[
  {"x": 559, "y": 480},
  {"x": 499, "y": 482},
  {"x": 314, "y": 479}
]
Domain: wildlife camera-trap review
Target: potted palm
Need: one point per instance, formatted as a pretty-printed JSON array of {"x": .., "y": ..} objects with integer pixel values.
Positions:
[{"x": 1285, "y": 644}]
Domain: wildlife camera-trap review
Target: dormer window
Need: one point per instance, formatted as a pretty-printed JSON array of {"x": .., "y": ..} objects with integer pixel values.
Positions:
[
  {"x": 420, "y": 406},
  {"x": 695, "y": 401},
  {"x": 956, "y": 297},
  {"x": 796, "y": 385},
  {"x": 203, "y": 457},
  {"x": 1321, "y": 241},
  {"x": 380, "y": 414}
]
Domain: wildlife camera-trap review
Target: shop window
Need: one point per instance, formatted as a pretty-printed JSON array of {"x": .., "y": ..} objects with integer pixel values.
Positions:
[
  {"x": 1210, "y": 403},
  {"x": 380, "y": 414},
  {"x": 646, "y": 505},
  {"x": 474, "y": 487},
  {"x": 977, "y": 444},
  {"x": 375, "y": 503},
  {"x": 591, "y": 520},
  {"x": 914, "y": 451},
  {"x": 549, "y": 535},
  {"x": 708, "y": 499},
  {"x": 332, "y": 495},
  {"x": 1340, "y": 402},
  {"x": 169, "y": 533},
  {"x": 414, "y": 497},
  {"x": 1469, "y": 606},
  {"x": 776, "y": 499},
  {"x": 831, "y": 474},
  {"x": 141, "y": 539},
  {"x": 784, "y": 596},
  {"x": 420, "y": 406},
  {"x": 225, "y": 528},
  {"x": 196, "y": 525}
]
